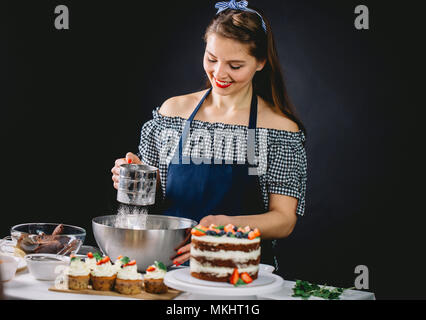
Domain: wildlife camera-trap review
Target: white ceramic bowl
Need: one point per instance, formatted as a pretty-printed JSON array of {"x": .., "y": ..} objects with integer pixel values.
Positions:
[
  {"x": 45, "y": 266},
  {"x": 8, "y": 266}
]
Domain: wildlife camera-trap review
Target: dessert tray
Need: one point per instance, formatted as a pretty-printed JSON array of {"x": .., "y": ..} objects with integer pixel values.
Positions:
[
  {"x": 181, "y": 279},
  {"x": 171, "y": 294}
]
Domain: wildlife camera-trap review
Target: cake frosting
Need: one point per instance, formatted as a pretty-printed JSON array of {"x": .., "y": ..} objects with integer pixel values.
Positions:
[
  {"x": 217, "y": 251},
  {"x": 91, "y": 260},
  {"x": 129, "y": 273},
  {"x": 118, "y": 263},
  {"x": 90, "y": 263},
  {"x": 155, "y": 271},
  {"x": 127, "y": 270},
  {"x": 77, "y": 268},
  {"x": 104, "y": 270}
]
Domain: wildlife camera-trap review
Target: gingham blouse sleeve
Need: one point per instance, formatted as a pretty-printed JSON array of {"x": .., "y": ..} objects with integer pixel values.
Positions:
[
  {"x": 287, "y": 167},
  {"x": 149, "y": 143}
]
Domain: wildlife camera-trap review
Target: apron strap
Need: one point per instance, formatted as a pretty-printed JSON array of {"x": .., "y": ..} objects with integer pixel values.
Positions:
[
  {"x": 192, "y": 116},
  {"x": 253, "y": 112},
  {"x": 251, "y": 132},
  {"x": 187, "y": 126}
]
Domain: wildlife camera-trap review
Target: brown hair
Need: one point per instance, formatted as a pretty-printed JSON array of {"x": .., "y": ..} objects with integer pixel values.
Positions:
[{"x": 246, "y": 27}]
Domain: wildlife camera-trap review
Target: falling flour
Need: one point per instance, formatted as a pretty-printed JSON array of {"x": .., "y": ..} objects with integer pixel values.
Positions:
[{"x": 131, "y": 217}]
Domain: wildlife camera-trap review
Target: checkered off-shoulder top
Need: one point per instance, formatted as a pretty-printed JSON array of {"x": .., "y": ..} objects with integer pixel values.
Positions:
[{"x": 280, "y": 155}]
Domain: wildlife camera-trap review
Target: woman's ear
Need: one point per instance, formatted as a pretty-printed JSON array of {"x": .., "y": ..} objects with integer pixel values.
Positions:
[{"x": 260, "y": 65}]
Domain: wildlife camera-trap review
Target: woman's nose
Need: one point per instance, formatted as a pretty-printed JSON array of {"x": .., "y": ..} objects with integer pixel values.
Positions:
[{"x": 220, "y": 71}]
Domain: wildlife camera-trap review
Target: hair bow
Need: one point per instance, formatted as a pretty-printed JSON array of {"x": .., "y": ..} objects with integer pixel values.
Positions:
[{"x": 240, "y": 5}]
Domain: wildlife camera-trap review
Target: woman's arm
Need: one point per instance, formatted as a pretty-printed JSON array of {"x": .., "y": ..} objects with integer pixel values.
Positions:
[{"x": 278, "y": 222}]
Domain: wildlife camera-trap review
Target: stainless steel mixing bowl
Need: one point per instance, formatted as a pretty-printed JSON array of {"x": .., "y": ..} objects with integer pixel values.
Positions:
[{"x": 163, "y": 234}]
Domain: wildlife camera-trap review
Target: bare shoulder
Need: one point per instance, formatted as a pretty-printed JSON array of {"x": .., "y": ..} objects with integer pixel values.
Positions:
[
  {"x": 181, "y": 106},
  {"x": 271, "y": 118}
]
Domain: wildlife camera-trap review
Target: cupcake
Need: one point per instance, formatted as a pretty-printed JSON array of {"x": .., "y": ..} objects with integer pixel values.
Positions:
[
  {"x": 91, "y": 260},
  {"x": 104, "y": 274},
  {"x": 78, "y": 274},
  {"x": 118, "y": 263},
  {"x": 154, "y": 278},
  {"x": 128, "y": 281}
]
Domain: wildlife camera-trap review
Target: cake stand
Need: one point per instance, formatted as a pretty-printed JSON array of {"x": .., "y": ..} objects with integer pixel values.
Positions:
[{"x": 181, "y": 279}]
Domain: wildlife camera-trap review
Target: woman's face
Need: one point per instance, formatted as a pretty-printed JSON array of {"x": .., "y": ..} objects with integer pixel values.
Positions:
[{"x": 228, "y": 64}]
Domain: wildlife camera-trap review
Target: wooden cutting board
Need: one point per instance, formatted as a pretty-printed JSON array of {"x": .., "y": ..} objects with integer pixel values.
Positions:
[{"x": 172, "y": 293}]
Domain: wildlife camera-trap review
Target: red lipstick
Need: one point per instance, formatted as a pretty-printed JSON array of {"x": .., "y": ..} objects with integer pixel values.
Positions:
[{"x": 221, "y": 85}]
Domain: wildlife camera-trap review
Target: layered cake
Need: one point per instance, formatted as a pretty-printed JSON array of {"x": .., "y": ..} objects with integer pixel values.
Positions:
[{"x": 218, "y": 252}]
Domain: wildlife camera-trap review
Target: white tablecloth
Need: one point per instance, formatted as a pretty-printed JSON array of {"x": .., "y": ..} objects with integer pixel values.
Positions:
[{"x": 24, "y": 286}]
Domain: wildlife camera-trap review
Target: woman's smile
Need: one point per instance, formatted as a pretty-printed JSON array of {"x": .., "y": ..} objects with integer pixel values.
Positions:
[{"x": 222, "y": 84}]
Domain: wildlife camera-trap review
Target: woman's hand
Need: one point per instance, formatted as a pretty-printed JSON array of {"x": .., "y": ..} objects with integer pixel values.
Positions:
[
  {"x": 130, "y": 158},
  {"x": 219, "y": 220},
  {"x": 183, "y": 254},
  {"x": 183, "y": 249}
]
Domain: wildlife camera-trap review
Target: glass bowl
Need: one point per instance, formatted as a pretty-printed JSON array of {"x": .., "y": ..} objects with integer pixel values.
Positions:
[{"x": 38, "y": 238}]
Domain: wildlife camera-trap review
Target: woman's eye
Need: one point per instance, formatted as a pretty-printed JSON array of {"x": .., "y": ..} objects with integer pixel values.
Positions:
[{"x": 232, "y": 67}]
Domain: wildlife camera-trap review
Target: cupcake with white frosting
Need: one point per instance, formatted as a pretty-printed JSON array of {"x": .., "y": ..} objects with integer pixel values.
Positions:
[
  {"x": 104, "y": 275},
  {"x": 154, "y": 278},
  {"x": 128, "y": 281},
  {"x": 91, "y": 260},
  {"x": 78, "y": 274},
  {"x": 118, "y": 263}
]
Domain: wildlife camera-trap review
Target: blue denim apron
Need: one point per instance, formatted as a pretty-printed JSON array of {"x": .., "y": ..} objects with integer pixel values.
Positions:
[{"x": 199, "y": 187}]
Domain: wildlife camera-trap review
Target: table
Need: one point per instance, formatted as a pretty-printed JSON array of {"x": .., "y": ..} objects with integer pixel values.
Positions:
[{"x": 24, "y": 286}]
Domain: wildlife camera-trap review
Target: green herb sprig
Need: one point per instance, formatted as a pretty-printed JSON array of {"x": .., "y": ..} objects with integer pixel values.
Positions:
[
  {"x": 240, "y": 282},
  {"x": 305, "y": 289},
  {"x": 97, "y": 256},
  {"x": 125, "y": 260},
  {"x": 160, "y": 265}
]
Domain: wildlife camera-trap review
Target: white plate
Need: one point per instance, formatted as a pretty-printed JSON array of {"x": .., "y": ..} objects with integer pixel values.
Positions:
[
  {"x": 266, "y": 268},
  {"x": 262, "y": 280},
  {"x": 181, "y": 279}
]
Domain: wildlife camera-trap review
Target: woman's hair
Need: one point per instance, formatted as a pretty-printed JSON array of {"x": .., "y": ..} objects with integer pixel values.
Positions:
[{"x": 246, "y": 27}]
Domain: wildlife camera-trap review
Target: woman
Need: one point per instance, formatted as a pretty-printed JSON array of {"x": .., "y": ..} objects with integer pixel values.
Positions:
[{"x": 243, "y": 117}]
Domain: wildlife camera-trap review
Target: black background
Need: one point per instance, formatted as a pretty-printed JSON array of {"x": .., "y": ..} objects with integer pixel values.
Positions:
[{"x": 72, "y": 101}]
